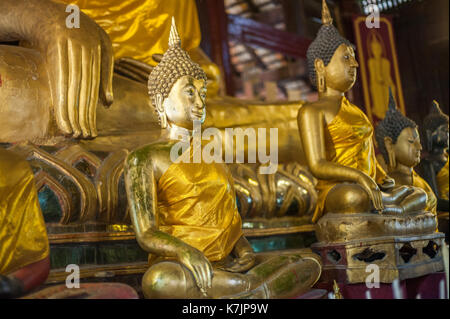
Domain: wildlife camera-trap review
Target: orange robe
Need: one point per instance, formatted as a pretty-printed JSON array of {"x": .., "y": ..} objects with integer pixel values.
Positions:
[
  {"x": 197, "y": 204},
  {"x": 140, "y": 28},
  {"x": 431, "y": 198},
  {"x": 442, "y": 181},
  {"x": 23, "y": 236}
]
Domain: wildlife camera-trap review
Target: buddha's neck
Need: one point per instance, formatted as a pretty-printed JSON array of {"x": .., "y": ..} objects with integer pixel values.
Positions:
[
  {"x": 331, "y": 93},
  {"x": 403, "y": 169},
  {"x": 175, "y": 132}
]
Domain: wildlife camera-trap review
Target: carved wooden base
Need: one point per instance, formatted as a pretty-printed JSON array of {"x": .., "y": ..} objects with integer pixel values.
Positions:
[{"x": 397, "y": 257}]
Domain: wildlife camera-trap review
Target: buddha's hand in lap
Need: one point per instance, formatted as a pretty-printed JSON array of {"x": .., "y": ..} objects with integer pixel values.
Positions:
[
  {"x": 245, "y": 257},
  {"x": 198, "y": 265},
  {"x": 79, "y": 62},
  {"x": 241, "y": 263},
  {"x": 372, "y": 189}
]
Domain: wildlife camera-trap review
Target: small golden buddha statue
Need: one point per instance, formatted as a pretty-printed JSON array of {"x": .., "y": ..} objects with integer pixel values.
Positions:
[
  {"x": 185, "y": 214},
  {"x": 434, "y": 166},
  {"x": 24, "y": 248},
  {"x": 399, "y": 142},
  {"x": 380, "y": 76},
  {"x": 337, "y": 137},
  {"x": 338, "y": 141}
]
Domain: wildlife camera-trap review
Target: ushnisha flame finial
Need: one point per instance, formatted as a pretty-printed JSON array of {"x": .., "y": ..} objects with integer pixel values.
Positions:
[
  {"x": 392, "y": 105},
  {"x": 326, "y": 16},
  {"x": 435, "y": 108},
  {"x": 174, "y": 38}
]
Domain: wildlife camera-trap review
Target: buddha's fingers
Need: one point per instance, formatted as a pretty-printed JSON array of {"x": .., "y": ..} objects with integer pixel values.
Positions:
[
  {"x": 199, "y": 278},
  {"x": 375, "y": 197},
  {"x": 206, "y": 275},
  {"x": 95, "y": 84},
  {"x": 107, "y": 70},
  {"x": 85, "y": 91},
  {"x": 57, "y": 63},
  {"x": 73, "y": 99},
  {"x": 379, "y": 199}
]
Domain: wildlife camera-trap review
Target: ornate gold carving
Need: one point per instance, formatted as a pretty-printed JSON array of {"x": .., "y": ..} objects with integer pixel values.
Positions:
[{"x": 88, "y": 205}]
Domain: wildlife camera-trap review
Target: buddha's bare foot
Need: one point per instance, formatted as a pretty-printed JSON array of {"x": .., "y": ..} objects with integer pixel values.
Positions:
[
  {"x": 261, "y": 292},
  {"x": 392, "y": 210}
]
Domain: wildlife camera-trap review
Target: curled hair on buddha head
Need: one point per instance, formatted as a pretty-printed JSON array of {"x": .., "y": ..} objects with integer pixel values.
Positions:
[
  {"x": 174, "y": 64},
  {"x": 392, "y": 125},
  {"x": 431, "y": 123},
  {"x": 325, "y": 44}
]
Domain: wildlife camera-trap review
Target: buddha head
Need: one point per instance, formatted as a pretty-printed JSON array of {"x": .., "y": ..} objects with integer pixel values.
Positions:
[
  {"x": 398, "y": 138},
  {"x": 435, "y": 126},
  {"x": 177, "y": 87},
  {"x": 331, "y": 58}
]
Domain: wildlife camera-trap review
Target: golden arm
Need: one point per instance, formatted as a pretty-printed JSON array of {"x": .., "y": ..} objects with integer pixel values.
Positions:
[
  {"x": 142, "y": 197},
  {"x": 311, "y": 125}
]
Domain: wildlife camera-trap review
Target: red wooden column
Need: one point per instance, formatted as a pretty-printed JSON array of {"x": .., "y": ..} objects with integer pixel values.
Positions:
[{"x": 218, "y": 37}]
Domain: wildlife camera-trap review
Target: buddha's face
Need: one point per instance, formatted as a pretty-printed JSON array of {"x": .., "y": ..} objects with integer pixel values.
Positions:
[
  {"x": 440, "y": 136},
  {"x": 186, "y": 102},
  {"x": 407, "y": 149},
  {"x": 340, "y": 73}
]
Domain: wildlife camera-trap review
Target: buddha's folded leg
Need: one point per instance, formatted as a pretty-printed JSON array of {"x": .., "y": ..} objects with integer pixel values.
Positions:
[
  {"x": 347, "y": 198},
  {"x": 283, "y": 277},
  {"x": 416, "y": 201},
  {"x": 172, "y": 280},
  {"x": 408, "y": 198}
]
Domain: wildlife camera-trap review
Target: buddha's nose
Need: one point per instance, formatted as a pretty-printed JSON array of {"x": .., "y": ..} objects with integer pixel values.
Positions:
[{"x": 419, "y": 146}]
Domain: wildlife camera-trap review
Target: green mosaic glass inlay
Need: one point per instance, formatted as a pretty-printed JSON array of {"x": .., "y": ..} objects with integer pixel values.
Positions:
[
  {"x": 103, "y": 253},
  {"x": 280, "y": 242},
  {"x": 50, "y": 206}
]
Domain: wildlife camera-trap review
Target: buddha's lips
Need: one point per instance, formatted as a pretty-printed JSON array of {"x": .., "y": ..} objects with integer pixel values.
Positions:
[{"x": 195, "y": 114}]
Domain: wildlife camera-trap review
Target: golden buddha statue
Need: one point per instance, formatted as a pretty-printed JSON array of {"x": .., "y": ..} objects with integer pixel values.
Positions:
[
  {"x": 399, "y": 142},
  {"x": 337, "y": 136},
  {"x": 24, "y": 248},
  {"x": 380, "y": 76},
  {"x": 361, "y": 216},
  {"x": 434, "y": 166},
  {"x": 38, "y": 117},
  {"x": 185, "y": 214}
]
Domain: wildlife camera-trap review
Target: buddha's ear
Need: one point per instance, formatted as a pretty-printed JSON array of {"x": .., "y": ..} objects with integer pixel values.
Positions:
[
  {"x": 159, "y": 99},
  {"x": 320, "y": 75},
  {"x": 319, "y": 66},
  {"x": 389, "y": 145},
  {"x": 159, "y": 102}
]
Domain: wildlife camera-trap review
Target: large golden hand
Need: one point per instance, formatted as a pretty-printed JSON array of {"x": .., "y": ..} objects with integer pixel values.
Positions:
[
  {"x": 79, "y": 60},
  {"x": 199, "y": 265}
]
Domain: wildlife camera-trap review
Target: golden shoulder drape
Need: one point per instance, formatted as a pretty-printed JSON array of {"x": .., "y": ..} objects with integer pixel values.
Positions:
[
  {"x": 351, "y": 145},
  {"x": 431, "y": 198},
  {"x": 140, "y": 28},
  {"x": 442, "y": 181},
  {"x": 197, "y": 204},
  {"x": 23, "y": 236}
]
